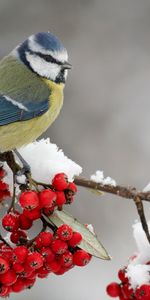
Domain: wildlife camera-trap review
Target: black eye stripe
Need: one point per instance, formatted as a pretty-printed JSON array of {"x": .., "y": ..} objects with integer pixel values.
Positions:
[{"x": 48, "y": 58}]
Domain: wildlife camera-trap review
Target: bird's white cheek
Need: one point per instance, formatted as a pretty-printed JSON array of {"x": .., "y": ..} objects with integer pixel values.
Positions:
[{"x": 42, "y": 67}]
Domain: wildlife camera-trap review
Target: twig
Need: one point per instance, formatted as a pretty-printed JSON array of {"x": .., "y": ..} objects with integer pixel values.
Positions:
[
  {"x": 124, "y": 192},
  {"x": 140, "y": 209}
]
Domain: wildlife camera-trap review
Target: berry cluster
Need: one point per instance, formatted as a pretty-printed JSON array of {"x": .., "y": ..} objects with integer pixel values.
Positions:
[
  {"x": 124, "y": 290},
  {"x": 52, "y": 251},
  {"x": 4, "y": 189}
]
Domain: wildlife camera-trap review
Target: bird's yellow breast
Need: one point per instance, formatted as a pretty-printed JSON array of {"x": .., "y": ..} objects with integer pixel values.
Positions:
[{"x": 17, "y": 134}]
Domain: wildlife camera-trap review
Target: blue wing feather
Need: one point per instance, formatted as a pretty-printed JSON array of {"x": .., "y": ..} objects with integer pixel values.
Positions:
[{"x": 11, "y": 111}]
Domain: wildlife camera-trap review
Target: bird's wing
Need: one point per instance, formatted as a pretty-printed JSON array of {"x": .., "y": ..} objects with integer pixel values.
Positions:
[{"x": 13, "y": 111}]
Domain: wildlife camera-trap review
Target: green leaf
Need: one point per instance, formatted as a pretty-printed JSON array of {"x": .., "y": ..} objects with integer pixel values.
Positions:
[{"x": 89, "y": 242}]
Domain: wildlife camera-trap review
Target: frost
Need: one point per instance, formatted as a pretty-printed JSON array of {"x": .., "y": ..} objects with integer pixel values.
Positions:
[{"x": 99, "y": 178}]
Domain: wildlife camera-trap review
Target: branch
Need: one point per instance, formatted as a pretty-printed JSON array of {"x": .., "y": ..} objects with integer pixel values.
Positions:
[
  {"x": 121, "y": 191},
  {"x": 124, "y": 192}
]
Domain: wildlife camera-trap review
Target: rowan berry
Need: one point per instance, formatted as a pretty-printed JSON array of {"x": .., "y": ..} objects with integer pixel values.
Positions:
[
  {"x": 47, "y": 254},
  {"x": 33, "y": 214},
  {"x": 65, "y": 232},
  {"x": 54, "y": 266},
  {"x": 143, "y": 292},
  {"x": 19, "y": 285},
  {"x": 60, "y": 181},
  {"x": 66, "y": 259},
  {"x": 18, "y": 267},
  {"x": 60, "y": 198},
  {"x": 58, "y": 246},
  {"x": 10, "y": 222},
  {"x": 20, "y": 254},
  {"x": 46, "y": 238},
  {"x": 3, "y": 186},
  {"x": 4, "y": 291},
  {"x": 35, "y": 260},
  {"x": 81, "y": 258},
  {"x": 8, "y": 278},
  {"x": 75, "y": 239},
  {"x": 4, "y": 265},
  {"x": 72, "y": 187},
  {"x": 18, "y": 236},
  {"x": 122, "y": 275},
  {"x": 47, "y": 198},
  {"x": 24, "y": 222},
  {"x": 29, "y": 200},
  {"x": 113, "y": 289}
]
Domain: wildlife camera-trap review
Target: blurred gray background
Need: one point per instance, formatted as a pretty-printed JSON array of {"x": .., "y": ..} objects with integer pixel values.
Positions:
[{"x": 105, "y": 121}]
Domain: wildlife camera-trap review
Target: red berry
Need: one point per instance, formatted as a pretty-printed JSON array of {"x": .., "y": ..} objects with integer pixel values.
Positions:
[
  {"x": 29, "y": 282},
  {"x": 19, "y": 268},
  {"x": 47, "y": 199},
  {"x": 42, "y": 272},
  {"x": 60, "y": 181},
  {"x": 4, "y": 194},
  {"x": 61, "y": 271},
  {"x": 4, "y": 265},
  {"x": 29, "y": 200},
  {"x": 46, "y": 238},
  {"x": 8, "y": 278},
  {"x": 122, "y": 275},
  {"x": 28, "y": 271},
  {"x": 19, "y": 285},
  {"x": 35, "y": 260},
  {"x": 81, "y": 258},
  {"x": 18, "y": 236},
  {"x": 47, "y": 254},
  {"x": 127, "y": 291},
  {"x": 59, "y": 246},
  {"x": 143, "y": 293},
  {"x": 65, "y": 232},
  {"x": 33, "y": 214},
  {"x": 38, "y": 243},
  {"x": 10, "y": 222},
  {"x": 75, "y": 239},
  {"x": 24, "y": 222},
  {"x": 20, "y": 254},
  {"x": 60, "y": 198},
  {"x": 54, "y": 266},
  {"x": 3, "y": 186},
  {"x": 4, "y": 291},
  {"x": 48, "y": 211},
  {"x": 72, "y": 187},
  {"x": 66, "y": 259},
  {"x": 113, "y": 289},
  {"x": 6, "y": 252}
]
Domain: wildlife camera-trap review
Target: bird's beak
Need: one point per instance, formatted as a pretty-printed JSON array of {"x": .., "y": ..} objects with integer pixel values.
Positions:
[{"x": 67, "y": 66}]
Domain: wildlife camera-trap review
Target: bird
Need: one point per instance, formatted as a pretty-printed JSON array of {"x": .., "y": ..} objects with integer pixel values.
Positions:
[{"x": 32, "y": 80}]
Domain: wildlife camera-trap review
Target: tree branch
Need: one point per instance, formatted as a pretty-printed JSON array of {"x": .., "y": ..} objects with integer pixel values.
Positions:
[{"x": 121, "y": 191}]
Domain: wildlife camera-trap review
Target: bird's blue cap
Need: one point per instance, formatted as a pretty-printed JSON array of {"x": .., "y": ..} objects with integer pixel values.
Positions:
[{"x": 48, "y": 41}]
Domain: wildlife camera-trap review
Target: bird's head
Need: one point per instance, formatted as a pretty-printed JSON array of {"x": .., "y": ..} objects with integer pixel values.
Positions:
[{"x": 45, "y": 55}]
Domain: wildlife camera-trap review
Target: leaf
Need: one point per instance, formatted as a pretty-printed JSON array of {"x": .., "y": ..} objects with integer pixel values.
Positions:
[{"x": 89, "y": 242}]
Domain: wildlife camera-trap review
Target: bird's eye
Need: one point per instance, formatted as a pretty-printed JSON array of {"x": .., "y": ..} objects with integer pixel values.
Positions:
[{"x": 48, "y": 58}]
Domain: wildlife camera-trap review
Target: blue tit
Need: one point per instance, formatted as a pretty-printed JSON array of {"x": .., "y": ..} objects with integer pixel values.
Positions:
[{"x": 32, "y": 79}]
